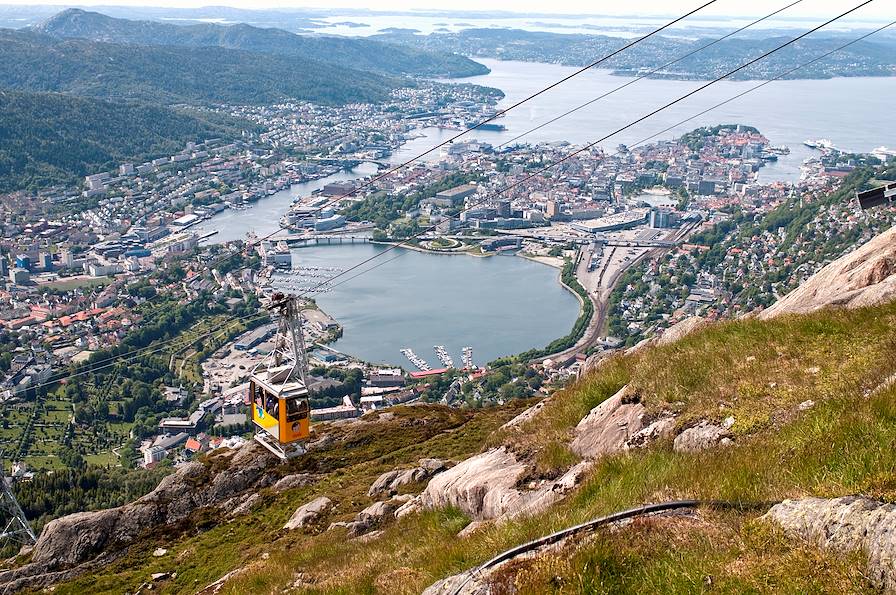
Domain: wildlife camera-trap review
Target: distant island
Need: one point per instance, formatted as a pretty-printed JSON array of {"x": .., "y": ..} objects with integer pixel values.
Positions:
[{"x": 874, "y": 57}]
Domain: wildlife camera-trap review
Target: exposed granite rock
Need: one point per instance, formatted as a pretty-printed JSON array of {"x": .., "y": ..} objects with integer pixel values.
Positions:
[
  {"x": 864, "y": 277},
  {"x": 290, "y": 482},
  {"x": 245, "y": 506},
  {"x": 78, "y": 537},
  {"x": 525, "y": 416},
  {"x": 657, "y": 429},
  {"x": 377, "y": 511},
  {"x": 409, "y": 507},
  {"x": 672, "y": 334},
  {"x": 680, "y": 330},
  {"x": 608, "y": 426},
  {"x": 388, "y": 483},
  {"x": 88, "y": 538},
  {"x": 373, "y": 516},
  {"x": 702, "y": 436},
  {"x": 475, "y": 585},
  {"x": 309, "y": 513},
  {"x": 483, "y": 486},
  {"x": 846, "y": 525},
  {"x": 547, "y": 493}
]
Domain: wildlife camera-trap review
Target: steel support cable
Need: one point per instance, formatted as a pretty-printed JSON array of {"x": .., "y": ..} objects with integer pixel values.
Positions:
[
  {"x": 147, "y": 351},
  {"x": 479, "y": 124},
  {"x": 649, "y": 74},
  {"x": 588, "y": 146},
  {"x": 500, "y": 113},
  {"x": 605, "y": 520},
  {"x": 325, "y": 285},
  {"x": 686, "y": 120},
  {"x": 140, "y": 351},
  {"x": 485, "y": 121},
  {"x": 777, "y": 77}
]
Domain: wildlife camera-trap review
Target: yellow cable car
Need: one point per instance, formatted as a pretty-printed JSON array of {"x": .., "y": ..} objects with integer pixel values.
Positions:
[{"x": 278, "y": 390}]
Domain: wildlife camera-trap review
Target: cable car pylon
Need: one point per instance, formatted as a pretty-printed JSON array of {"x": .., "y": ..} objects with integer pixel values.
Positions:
[{"x": 278, "y": 388}]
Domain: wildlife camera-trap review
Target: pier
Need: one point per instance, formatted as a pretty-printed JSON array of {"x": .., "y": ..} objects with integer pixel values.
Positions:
[
  {"x": 468, "y": 358},
  {"x": 442, "y": 354},
  {"x": 416, "y": 360}
]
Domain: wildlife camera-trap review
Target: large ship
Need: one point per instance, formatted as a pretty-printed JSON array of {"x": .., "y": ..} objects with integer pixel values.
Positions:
[
  {"x": 883, "y": 153},
  {"x": 822, "y": 143}
]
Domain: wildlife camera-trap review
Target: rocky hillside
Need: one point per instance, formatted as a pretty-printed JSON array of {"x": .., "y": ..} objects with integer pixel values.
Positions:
[
  {"x": 864, "y": 277},
  {"x": 774, "y": 436}
]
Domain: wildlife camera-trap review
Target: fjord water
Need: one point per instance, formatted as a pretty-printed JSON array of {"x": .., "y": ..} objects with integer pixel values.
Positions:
[
  {"x": 499, "y": 305},
  {"x": 506, "y": 305},
  {"x": 855, "y": 113}
]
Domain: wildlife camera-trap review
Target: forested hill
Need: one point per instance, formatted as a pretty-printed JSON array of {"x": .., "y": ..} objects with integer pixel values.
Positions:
[
  {"x": 356, "y": 53},
  {"x": 50, "y": 138},
  {"x": 34, "y": 61}
]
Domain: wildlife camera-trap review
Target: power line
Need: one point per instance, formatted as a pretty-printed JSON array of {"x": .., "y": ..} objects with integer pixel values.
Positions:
[
  {"x": 686, "y": 120},
  {"x": 766, "y": 82},
  {"x": 500, "y": 113},
  {"x": 149, "y": 350},
  {"x": 479, "y": 124},
  {"x": 588, "y": 146},
  {"x": 649, "y": 74},
  {"x": 327, "y": 283}
]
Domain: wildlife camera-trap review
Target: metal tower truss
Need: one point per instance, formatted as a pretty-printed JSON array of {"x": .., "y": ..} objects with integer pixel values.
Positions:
[{"x": 16, "y": 529}]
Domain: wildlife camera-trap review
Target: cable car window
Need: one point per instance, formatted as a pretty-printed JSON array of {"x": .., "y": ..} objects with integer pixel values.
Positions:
[
  {"x": 296, "y": 409},
  {"x": 258, "y": 395}
]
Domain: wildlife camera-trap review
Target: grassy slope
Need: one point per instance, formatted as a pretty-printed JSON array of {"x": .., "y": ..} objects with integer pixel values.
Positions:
[{"x": 757, "y": 370}]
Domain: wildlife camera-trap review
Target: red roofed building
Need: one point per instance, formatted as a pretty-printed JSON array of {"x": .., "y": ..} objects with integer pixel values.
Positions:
[{"x": 434, "y": 372}]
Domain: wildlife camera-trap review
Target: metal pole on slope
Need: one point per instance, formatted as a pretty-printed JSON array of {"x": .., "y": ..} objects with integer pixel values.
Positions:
[{"x": 16, "y": 528}]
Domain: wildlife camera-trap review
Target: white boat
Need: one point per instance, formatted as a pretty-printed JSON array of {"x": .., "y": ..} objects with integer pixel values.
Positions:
[
  {"x": 820, "y": 144},
  {"x": 883, "y": 153}
]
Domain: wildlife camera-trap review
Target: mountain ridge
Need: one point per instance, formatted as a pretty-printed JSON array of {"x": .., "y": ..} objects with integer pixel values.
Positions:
[
  {"x": 356, "y": 53},
  {"x": 38, "y": 62}
]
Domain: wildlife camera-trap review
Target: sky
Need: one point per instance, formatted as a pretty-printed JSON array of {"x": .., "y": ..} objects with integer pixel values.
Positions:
[{"x": 878, "y": 9}]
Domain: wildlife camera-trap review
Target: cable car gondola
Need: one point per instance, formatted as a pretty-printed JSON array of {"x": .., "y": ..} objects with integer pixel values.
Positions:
[{"x": 278, "y": 388}]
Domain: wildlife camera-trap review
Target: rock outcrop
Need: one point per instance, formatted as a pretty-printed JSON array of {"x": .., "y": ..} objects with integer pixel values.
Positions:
[
  {"x": 373, "y": 516},
  {"x": 864, "y": 277},
  {"x": 465, "y": 583},
  {"x": 608, "y": 426},
  {"x": 78, "y": 538},
  {"x": 309, "y": 513},
  {"x": 662, "y": 427},
  {"x": 672, "y": 334},
  {"x": 291, "y": 482},
  {"x": 526, "y": 416},
  {"x": 485, "y": 487},
  {"x": 389, "y": 483},
  {"x": 702, "y": 436},
  {"x": 680, "y": 330},
  {"x": 846, "y": 524}
]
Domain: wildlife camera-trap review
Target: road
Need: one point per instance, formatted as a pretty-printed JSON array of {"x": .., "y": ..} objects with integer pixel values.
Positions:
[{"x": 600, "y": 284}]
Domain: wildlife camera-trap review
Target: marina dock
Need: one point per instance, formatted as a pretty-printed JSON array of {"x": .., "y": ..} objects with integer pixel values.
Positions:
[
  {"x": 468, "y": 358},
  {"x": 416, "y": 360},
  {"x": 442, "y": 354}
]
